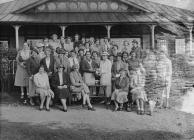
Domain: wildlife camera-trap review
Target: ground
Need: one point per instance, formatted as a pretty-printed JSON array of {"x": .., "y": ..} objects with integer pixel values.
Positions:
[{"x": 20, "y": 122}]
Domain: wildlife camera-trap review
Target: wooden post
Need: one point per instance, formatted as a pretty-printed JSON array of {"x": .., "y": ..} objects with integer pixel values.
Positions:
[
  {"x": 63, "y": 28},
  {"x": 108, "y": 28},
  {"x": 190, "y": 39},
  {"x": 153, "y": 36},
  {"x": 17, "y": 27}
]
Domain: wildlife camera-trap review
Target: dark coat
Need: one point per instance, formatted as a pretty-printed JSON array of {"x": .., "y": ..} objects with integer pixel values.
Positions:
[
  {"x": 85, "y": 67},
  {"x": 32, "y": 66},
  {"x": 51, "y": 67},
  {"x": 55, "y": 82}
]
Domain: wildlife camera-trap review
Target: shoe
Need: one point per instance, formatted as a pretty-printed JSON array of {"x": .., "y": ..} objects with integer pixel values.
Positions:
[
  {"x": 32, "y": 103},
  {"x": 116, "y": 109},
  {"x": 64, "y": 110},
  {"x": 91, "y": 108},
  {"x": 48, "y": 109},
  {"x": 22, "y": 97},
  {"x": 83, "y": 105},
  {"x": 138, "y": 112},
  {"x": 25, "y": 102},
  {"x": 142, "y": 112},
  {"x": 40, "y": 109}
]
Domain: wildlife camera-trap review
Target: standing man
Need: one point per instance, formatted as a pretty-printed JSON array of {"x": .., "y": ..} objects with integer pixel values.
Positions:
[
  {"x": 136, "y": 49},
  {"x": 105, "y": 72}
]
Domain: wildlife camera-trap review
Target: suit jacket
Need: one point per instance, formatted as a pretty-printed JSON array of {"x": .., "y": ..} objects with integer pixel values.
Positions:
[
  {"x": 55, "y": 82},
  {"x": 51, "y": 67},
  {"x": 122, "y": 84},
  {"x": 32, "y": 66}
]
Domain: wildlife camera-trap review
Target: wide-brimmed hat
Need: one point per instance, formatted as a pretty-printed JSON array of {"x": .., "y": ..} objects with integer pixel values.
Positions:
[
  {"x": 105, "y": 53},
  {"x": 60, "y": 66}
]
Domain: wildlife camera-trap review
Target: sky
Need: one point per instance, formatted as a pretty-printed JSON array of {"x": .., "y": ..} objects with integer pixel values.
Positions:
[{"x": 186, "y": 4}]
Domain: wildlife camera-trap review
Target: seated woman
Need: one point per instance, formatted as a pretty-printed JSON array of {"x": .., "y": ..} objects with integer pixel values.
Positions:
[
  {"x": 120, "y": 93},
  {"x": 78, "y": 86},
  {"x": 61, "y": 85},
  {"x": 138, "y": 92},
  {"x": 41, "y": 82}
]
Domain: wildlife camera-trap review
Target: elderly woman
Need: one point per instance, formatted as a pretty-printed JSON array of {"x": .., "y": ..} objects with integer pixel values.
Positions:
[
  {"x": 22, "y": 77},
  {"x": 78, "y": 86},
  {"x": 137, "y": 84},
  {"x": 43, "y": 89},
  {"x": 61, "y": 85},
  {"x": 120, "y": 93}
]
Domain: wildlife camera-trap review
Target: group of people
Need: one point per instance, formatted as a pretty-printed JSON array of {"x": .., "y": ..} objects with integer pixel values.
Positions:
[{"x": 57, "y": 68}]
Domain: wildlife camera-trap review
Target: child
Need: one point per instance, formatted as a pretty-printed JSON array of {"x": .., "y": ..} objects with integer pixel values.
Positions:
[{"x": 138, "y": 92}]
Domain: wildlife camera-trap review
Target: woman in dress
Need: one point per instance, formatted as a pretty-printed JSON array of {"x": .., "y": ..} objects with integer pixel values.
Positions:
[
  {"x": 137, "y": 84},
  {"x": 105, "y": 79},
  {"x": 61, "y": 85},
  {"x": 22, "y": 77},
  {"x": 120, "y": 93},
  {"x": 43, "y": 89},
  {"x": 87, "y": 70},
  {"x": 78, "y": 86},
  {"x": 116, "y": 67}
]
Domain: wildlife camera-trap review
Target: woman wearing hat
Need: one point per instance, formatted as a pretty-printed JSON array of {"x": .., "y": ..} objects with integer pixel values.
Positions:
[
  {"x": 120, "y": 93},
  {"x": 62, "y": 59},
  {"x": 116, "y": 67},
  {"x": 78, "y": 86},
  {"x": 22, "y": 77},
  {"x": 61, "y": 85},
  {"x": 137, "y": 84},
  {"x": 43, "y": 89},
  {"x": 105, "y": 72},
  {"x": 41, "y": 54}
]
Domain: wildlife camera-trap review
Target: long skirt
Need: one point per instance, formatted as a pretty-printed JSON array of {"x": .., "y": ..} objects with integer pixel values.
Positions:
[
  {"x": 119, "y": 96},
  {"x": 21, "y": 77},
  {"x": 89, "y": 78},
  {"x": 78, "y": 90},
  {"x": 44, "y": 92},
  {"x": 138, "y": 93},
  {"x": 62, "y": 93},
  {"x": 32, "y": 88}
]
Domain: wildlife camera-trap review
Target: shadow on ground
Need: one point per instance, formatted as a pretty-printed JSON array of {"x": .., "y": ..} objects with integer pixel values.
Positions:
[{"x": 24, "y": 131}]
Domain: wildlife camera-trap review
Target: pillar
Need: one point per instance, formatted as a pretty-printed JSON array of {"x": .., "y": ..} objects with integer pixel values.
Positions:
[
  {"x": 152, "y": 27},
  {"x": 190, "y": 38},
  {"x": 63, "y": 28},
  {"x": 108, "y": 28},
  {"x": 17, "y": 27}
]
